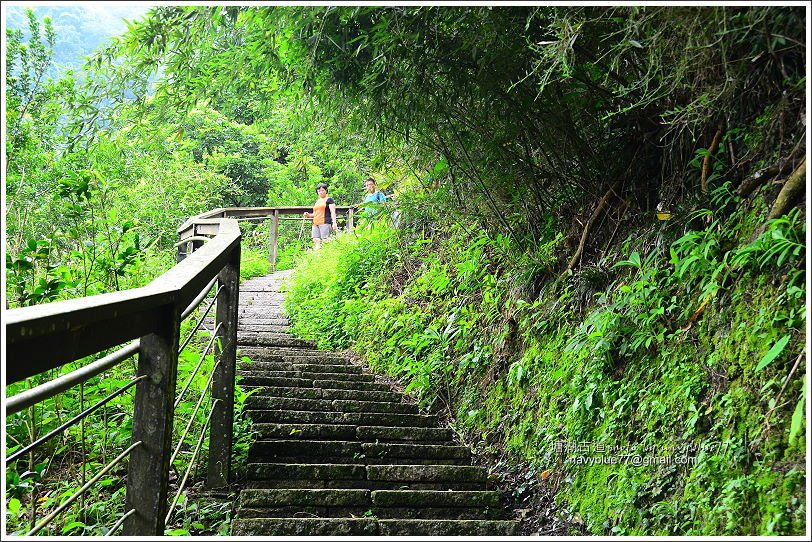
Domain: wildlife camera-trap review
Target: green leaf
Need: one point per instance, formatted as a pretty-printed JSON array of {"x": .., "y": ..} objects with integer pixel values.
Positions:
[
  {"x": 13, "y": 506},
  {"x": 774, "y": 352},
  {"x": 798, "y": 415},
  {"x": 71, "y": 526}
]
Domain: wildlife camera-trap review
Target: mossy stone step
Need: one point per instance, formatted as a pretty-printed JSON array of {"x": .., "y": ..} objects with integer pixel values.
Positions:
[
  {"x": 304, "y": 527},
  {"x": 301, "y": 367},
  {"x": 427, "y": 473},
  {"x": 329, "y": 367},
  {"x": 294, "y": 450},
  {"x": 258, "y": 297},
  {"x": 268, "y": 339},
  {"x": 250, "y": 311},
  {"x": 260, "y": 379},
  {"x": 360, "y": 395},
  {"x": 371, "y": 527},
  {"x": 381, "y": 503},
  {"x": 354, "y": 405},
  {"x": 316, "y": 451},
  {"x": 264, "y": 328},
  {"x": 246, "y": 288},
  {"x": 283, "y": 472},
  {"x": 356, "y": 418},
  {"x": 265, "y": 498},
  {"x": 275, "y": 320},
  {"x": 435, "y": 499},
  {"x": 262, "y": 317},
  {"x": 351, "y": 432},
  {"x": 298, "y": 511},
  {"x": 451, "y": 527},
  {"x": 416, "y": 434},
  {"x": 394, "y": 450},
  {"x": 330, "y": 384},
  {"x": 264, "y": 353},
  {"x": 250, "y": 370},
  {"x": 324, "y": 393},
  {"x": 328, "y": 405}
]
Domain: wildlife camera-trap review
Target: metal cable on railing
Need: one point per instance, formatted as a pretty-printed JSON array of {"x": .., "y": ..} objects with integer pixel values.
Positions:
[
  {"x": 194, "y": 414},
  {"x": 120, "y": 522},
  {"x": 193, "y": 305},
  {"x": 197, "y": 367},
  {"x": 200, "y": 322},
  {"x": 74, "y": 420},
  {"x": 191, "y": 462},
  {"x": 81, "y": 491},
  {"x": 25, "y": 399}
]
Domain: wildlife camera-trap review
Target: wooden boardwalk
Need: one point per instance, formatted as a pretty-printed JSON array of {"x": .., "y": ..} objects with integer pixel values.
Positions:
[{"x": 340, "y": 454}]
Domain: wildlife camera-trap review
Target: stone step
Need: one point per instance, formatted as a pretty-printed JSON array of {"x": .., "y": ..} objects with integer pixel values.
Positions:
[
  {"x": 258, "y": 288},
  {"x": 252, "y": 315},
  {"x": 255, "y": 309},
  {"x": 257, "y": 296},
  {"x": 266, "y": 498},
  {"x": 435, "y": 499},
  {"x": 367, "y": 453},
  {"x": 408, "y": 504},
  {"x": 360, "y": 476},
  {"x": 295, "y": 511},
  {"x": 336, "y": 451},
  {"x": 363, "y": 433},
  {"x": 284, "y": 353},
  {"x": 329, "y": 405},
  {"x": 371, "y": 527},
  {"x": 301, "y": 367},
  {"x": 259, "y": 379},
  {"x": 256, "y": 317},
  {"x": 275, "y": 320},
  {"x": 249, "y": 338},
  {"x": 324, "y": 393},
  {"x": 264, "y": 328},
  {"x": 355, "y": 418}
]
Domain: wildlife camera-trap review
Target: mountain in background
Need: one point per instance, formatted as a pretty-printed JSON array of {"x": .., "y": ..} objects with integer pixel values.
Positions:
[{"x": 80, "y": 28}]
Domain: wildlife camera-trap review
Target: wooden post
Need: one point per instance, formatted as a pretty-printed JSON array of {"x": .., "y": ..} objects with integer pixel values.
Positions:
[
  {"x": 350, "y": 218},
  {"x": 274, "y": 239},
  {"x": 225, "y": 349},
  {"x": 148, "y": 473}
]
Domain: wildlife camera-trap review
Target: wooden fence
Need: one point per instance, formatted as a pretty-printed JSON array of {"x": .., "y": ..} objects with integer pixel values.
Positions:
[{"x": 48, "y": 336}]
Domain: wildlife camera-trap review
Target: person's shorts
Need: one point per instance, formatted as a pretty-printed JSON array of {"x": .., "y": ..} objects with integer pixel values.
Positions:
[{"x": 322, "y": 231}]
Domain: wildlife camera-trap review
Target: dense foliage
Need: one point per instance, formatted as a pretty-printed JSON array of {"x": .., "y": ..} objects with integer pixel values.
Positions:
[
  {"x": 598, "y": 239},
  {"x": 679, "y": 360}
]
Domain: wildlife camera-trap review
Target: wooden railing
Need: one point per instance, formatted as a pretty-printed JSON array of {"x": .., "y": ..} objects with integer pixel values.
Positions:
[
  {"x": 192, "y": 233},
  {"x": 45, "y": 337}
]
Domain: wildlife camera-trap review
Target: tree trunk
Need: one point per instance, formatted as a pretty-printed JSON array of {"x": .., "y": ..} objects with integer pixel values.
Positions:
[
  {"x": 595, "y": 213},
  {"x": 793, "y": 188}
]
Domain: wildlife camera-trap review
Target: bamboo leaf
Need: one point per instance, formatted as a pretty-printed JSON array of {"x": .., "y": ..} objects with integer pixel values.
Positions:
[
  {"x": 774, "y": 352},
  {"x": 798, "y": 415}
]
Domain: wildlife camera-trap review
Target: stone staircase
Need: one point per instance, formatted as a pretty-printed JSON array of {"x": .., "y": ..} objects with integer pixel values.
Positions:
[{"x": 340, "y": 454}]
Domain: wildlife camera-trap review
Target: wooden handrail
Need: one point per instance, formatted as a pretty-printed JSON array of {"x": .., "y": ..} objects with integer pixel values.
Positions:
[
  {"x": 191, "y": 233},
  {"x": 43, "y": 337},
  {"x": 78, "y": 327}
]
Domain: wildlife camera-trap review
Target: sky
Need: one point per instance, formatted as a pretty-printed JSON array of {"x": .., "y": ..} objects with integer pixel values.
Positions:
[
  {"x": 108, "y": 14},
  {"x": 81, "y": 27}
]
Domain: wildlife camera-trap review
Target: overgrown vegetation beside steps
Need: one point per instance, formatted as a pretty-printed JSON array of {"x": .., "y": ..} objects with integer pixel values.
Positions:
[{"x": 679, "y": 357}]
